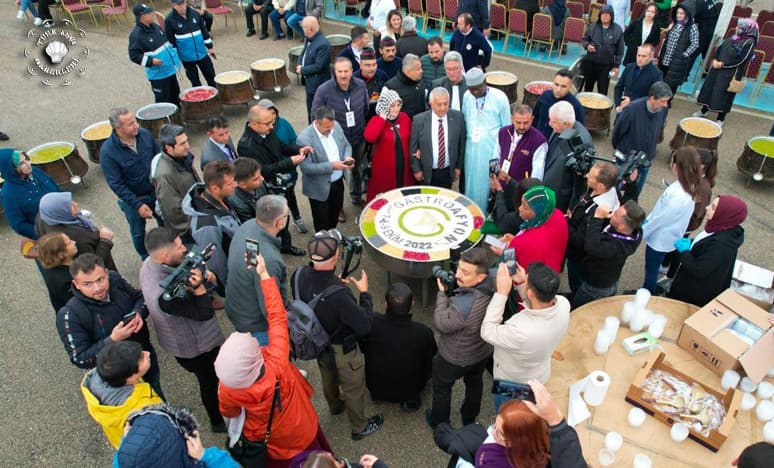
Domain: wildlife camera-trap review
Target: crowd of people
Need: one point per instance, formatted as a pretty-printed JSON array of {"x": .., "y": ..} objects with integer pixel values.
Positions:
[{"x": 405, "y": 113}]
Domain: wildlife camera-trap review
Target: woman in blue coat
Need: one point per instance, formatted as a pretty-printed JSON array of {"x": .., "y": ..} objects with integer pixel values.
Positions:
[{"x": 23, "y": 188}]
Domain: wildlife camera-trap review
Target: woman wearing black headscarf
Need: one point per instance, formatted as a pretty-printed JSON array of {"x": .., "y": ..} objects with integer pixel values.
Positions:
[{"x": 707, "y": 262}]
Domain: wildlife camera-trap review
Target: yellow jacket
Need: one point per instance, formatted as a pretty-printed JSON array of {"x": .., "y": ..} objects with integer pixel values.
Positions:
[{"x": 113, "y": 418}]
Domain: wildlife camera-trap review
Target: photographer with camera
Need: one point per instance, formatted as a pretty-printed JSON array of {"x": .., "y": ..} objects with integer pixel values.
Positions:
[
  {"x": 523, "y": 344},
  {"x": 556, "y": 175},
  {"x": 278, "y": 160},
  {"x": 462, "y": 354},
  {"x": 345, "y": 319},
  {"x": 244, "y": 297},
  {"x": 185, "y": 326},
  {"x": 639, "y": 124}
]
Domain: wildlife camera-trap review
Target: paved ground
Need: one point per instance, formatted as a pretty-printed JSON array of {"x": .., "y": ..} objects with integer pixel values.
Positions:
[{"x": 43, "y": 419}]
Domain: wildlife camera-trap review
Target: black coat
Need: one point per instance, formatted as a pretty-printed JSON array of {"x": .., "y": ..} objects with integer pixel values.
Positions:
[
  {"x": 58, "y": 281},
  {"x": 413, "y": 93},
  {"x": 317, "y": 62},
  {"x": 705, "y": 270},
  {"x": 399, "y": 357},
  {"x": 735, "y": 56},
  {"x": 270, "y": 152},
  {"x": 86, "y": 241},
  {"x": 633, "y": 39},
  {"x": 411, "y": 43}
]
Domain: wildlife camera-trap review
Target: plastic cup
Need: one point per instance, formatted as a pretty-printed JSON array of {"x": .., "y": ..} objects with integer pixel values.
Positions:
[
  {"x": 730, "y": 379},
  {"x": 627, "y": 312},
  {"x": 641, "y": 298},
  {"x": 768, "y": 432},
  {"x": 611, "y": 325},
  {"x": 765, "y": 411},
  {"x": 637, "y": 322},
  {"x": 642, "y": 461},
  {"x": 747, "y": 385},
  {"x": 679, "y": 432},
  {"x": 613, "y": 441},
  {"x": 748, "y": 402},
  {"x": 765, "y": 390},
  {"x": 602, "y": 342},
  {"x": 636, "y": 417},
  {"x": 606, "y": 457}
]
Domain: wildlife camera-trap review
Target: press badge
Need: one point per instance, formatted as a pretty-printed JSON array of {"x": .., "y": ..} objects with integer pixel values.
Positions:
[
  {"x": 506, "y": 166},
  {"x": 350, "y": 119}
]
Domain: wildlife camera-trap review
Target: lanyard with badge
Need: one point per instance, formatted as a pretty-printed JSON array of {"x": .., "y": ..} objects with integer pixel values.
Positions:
[
  {"x": 349, "y": 115},
  {"x": 506, "y": 166},
  {"x": 480, "y": 104}
]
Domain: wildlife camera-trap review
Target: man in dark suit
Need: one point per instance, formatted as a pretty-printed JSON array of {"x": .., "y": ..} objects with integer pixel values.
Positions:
[
  {"x": 556, "y": 175},
  {"x": 277, "y": 159},
  {"x": 470, "y": 43},
  {"x": 454, "y": 81},
  {"x": 437, "y": 144},
  {"x": 218, "y": 146},
  {"x": 360, "y": 37},
  {"x": 636, "y": 78},
  {"x": 258, "y": 7},
  {"x": 398, "y": 352},
  {"x": 315, "y": 61}
]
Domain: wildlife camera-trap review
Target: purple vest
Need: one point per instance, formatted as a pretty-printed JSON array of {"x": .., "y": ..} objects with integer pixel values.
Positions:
[{"x": 521, "y": 160}]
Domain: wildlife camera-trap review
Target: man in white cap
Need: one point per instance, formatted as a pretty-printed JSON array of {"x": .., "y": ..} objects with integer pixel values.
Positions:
[{"x": 486, "y": 111}]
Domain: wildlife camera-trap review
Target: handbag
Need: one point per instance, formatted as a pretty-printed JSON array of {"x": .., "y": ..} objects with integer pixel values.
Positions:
[
  {"x": 735, "y": 86},
  {"x": 253, "y": 454}
]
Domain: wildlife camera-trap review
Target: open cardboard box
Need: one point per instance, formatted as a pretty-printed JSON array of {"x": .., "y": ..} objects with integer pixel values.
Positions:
[
  {"x": 706, "y": 335},
  {"x": 754, "y": 283},
  {"x": 731, "y": 401}
]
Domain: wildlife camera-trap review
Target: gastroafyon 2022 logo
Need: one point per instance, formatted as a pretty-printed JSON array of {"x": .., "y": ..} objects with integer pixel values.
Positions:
[{"x": 56, "y": 53}]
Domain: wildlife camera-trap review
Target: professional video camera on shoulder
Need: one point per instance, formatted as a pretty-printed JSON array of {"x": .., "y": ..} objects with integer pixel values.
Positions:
[
  {"x": 176, "y": 283},
  {"x": 582, "y": 156}
]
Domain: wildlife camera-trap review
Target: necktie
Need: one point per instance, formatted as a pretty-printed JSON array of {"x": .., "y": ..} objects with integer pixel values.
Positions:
[
  {"x": 230, "y": 153},
  {"x": 441, "y": 146}
]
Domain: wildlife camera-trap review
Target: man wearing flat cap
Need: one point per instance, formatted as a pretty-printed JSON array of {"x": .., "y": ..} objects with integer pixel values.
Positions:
[
  {"x": 486, "y": 111},
  {"x": 149, "y": 48},
  {"x": 342, "y": 364}
]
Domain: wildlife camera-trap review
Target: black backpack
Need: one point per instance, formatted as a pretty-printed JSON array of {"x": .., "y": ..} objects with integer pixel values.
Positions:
[{"x": 307, "y": 335}]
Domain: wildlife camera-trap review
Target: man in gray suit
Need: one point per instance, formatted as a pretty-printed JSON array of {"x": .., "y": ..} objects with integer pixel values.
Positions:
[
  {"x": 556, "y": 175},
  {"x": 322, "y": 171},
  {"x": 454, "y": 81},
  {"x": 219, "y": 145},
  {"x": 437, "y": 144}
]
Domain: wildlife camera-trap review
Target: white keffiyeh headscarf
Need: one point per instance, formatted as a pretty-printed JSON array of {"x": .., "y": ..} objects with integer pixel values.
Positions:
[{"x": 386, "y": 99}]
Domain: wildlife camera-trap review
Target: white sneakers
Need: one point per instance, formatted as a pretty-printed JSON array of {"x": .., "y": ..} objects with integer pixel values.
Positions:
[
  {"x": 37, "y": 22},
  {"x": 699, "y": 113},
  {"x": 20, "y": 15}
]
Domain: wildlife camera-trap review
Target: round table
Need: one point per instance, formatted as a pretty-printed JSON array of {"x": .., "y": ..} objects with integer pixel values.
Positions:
[{"x": 652, "y": 438}]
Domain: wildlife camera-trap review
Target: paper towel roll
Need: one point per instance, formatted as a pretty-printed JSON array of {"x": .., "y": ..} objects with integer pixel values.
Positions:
[{"x": 596, "y": 386}]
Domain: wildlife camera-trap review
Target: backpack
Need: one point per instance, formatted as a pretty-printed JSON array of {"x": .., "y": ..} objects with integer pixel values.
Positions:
[{"x": 307, "y": 335}]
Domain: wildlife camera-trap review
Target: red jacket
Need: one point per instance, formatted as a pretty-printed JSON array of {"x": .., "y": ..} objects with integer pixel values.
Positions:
[
  {"x": 545, "y": 243},
  {"x": 295, "y": 422},
  {"x": 383, "y": 162}
]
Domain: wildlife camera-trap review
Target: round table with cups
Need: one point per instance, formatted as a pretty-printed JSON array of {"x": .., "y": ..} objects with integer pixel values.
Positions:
[{"x": 576, "y": 359}]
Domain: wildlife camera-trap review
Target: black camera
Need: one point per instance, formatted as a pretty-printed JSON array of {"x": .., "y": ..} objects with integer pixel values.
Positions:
[
  {"x": 580, "y": 156},
  {"x": 628, "y": 163},
  {"x": 354, "y": 247},
  {"x": 447, "y": 278},
  {"x": 174, "y": 285}
]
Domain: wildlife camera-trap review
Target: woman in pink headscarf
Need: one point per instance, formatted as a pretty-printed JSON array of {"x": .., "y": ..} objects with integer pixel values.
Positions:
[
  {"x": 707, "y": 262},
  {"x": 249, "y": 376}
]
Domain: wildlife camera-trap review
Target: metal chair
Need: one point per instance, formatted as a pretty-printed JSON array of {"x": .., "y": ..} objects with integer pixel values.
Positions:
[
  {"x": 449, "y": 14},
  {"x": 768, "y": 80},
  {"x": 742, "y": 11},
  {"x": 434, "y": 12},
  {"x": 542, "y": 32},
  {"x": 766, "y": 44},
  {"x": 763, "y": 17},
  {"x": 217, "y": 8},
  {"x": 576, "y": 9},
  {"x": 755, "y": 65},
  {"x": 417, "y": 9},
  {"x": 768, "y": 28},
  {"x": 638, "y": 8},
  {"x": 573, "y": 31},
  {"x": 75, "y": 7},
  {"x": 110, "y": 9},
  {"x": 497, "y": 18},
  {"x": 517, "y": 26}
]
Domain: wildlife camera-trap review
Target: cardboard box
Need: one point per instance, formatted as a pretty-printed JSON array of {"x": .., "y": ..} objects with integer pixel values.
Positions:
[
  {"x": 731, "y": 401},
  {"x": 708, "y": 337},
  {"x": 754, "y": 282}
]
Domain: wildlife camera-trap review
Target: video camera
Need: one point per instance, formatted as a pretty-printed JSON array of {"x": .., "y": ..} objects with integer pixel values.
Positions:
[
  {"x": 447, "y": 277},
  {"x": 582, "y": 156},
  {"x": 174, "y": 285}
]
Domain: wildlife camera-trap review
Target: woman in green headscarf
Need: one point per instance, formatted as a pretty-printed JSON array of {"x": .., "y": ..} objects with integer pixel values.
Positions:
[{"x": 542, "y": 236}]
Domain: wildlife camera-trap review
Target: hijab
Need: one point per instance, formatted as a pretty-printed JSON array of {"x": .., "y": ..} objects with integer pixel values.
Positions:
[
  {"x": 542, "y": 200},
  {"x": 746, "y": 29},
  {"x": 558, "y": 10},
  {"x": 386, "y": 99},
  {"x": 239, "y": 362},
  {"x": 730, "y": 213},
  {"x": 55, "y": 209}
]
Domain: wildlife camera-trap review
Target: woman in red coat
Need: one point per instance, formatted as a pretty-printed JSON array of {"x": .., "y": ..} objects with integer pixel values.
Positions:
[{"x": 388, "y": 131}]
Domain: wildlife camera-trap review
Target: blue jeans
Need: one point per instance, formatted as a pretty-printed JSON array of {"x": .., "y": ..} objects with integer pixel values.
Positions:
[
  {"x": 262, "y": 337},
  {"x": 498, "y": 401},
  {"x": 642, "y": 176},
  {"x": 137, "y": 223},
  {"x": 28, "y": 5},
  {"x": 275, "y": 17},
  {"x": 153, "y": 375},
  {"x": 574, "y": 275},
  {"x": 653, "y": 259},
  {"x": 294, "y": 22}
]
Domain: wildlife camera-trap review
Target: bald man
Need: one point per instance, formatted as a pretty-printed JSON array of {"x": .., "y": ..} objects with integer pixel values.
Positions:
[
  {"x": 278, "y": 160},
  {"x": 314, "y": 65}
]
